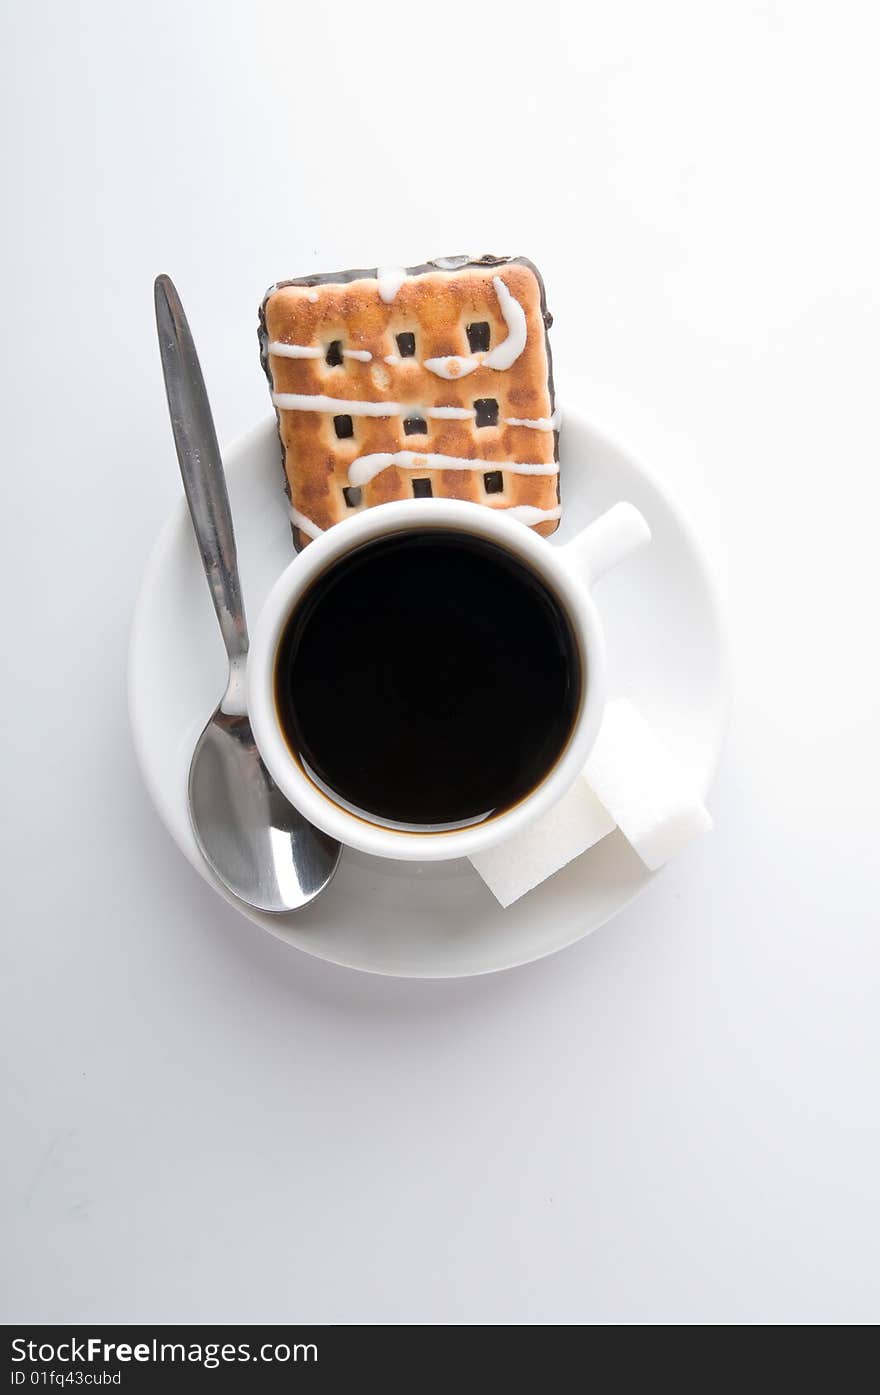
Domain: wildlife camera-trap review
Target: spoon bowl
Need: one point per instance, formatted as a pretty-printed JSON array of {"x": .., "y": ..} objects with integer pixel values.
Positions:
[{"x": 257, "y": 843}]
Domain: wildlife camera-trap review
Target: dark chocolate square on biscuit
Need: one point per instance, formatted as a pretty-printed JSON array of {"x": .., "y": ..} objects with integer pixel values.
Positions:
[
  {"x": 478, "y": 337},
  {"x": 486, "y": 409}
]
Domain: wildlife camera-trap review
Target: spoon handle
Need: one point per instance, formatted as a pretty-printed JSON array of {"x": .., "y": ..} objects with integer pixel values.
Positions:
[{"x": 201, "y": 466}]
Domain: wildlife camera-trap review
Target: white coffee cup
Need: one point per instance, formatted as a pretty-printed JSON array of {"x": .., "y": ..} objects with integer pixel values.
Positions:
[{"x": 568, "y": 571}]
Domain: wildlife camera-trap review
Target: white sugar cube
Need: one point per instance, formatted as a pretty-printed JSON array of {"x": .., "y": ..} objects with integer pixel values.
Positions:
[
  {"x": 521, "y": 863},
  {"x": 631, "y": 782},
  {"x": 643, "y": 788}
]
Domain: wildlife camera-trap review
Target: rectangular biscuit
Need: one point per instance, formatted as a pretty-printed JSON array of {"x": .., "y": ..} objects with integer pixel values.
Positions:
[{"x": 396, "y": 383}]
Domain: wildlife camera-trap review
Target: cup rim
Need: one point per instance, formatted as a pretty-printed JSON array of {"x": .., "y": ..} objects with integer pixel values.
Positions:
[{"x": 399, "y": 516}]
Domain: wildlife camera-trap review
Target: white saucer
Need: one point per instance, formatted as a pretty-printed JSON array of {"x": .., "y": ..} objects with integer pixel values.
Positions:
[{"x": 666, "y": 650}]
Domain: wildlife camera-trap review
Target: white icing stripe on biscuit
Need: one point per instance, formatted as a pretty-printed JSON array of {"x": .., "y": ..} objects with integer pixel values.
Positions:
[
  {"x": 452, "y": 367},
  {"x": 536, "y": 423},
  {"x": 301, "y": 402},
  {"x": 389, "y": 279},
  {"x": 305, "y": 524},
  {"x": 527, "y": 513},
  {"x": 505, "y": 354},
  {"x": 295, "y": 350},
  {"x": 281, "y": 350},
  {"x": 367, "y": 467}
]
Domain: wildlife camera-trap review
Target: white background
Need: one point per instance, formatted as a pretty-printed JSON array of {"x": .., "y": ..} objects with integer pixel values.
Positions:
[{"x": 675, "y": 1121}]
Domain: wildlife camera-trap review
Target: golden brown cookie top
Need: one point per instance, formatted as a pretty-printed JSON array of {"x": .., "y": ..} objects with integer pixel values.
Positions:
[{"x": 399, "y": 383}]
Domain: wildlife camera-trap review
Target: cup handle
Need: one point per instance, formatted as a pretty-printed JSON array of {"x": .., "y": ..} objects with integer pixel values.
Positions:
[{"x": 605, "y": 542}]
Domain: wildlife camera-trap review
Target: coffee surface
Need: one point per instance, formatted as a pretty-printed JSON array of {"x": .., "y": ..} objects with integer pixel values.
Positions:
[{"x": 428, "y": 678}]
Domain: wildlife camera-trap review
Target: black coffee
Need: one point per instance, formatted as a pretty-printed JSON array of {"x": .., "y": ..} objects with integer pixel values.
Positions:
[{"x": 428, "y": 678}]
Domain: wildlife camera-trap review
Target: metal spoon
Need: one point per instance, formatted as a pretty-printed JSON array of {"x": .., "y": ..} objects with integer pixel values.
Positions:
[{"x": 257, "y": 843}]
